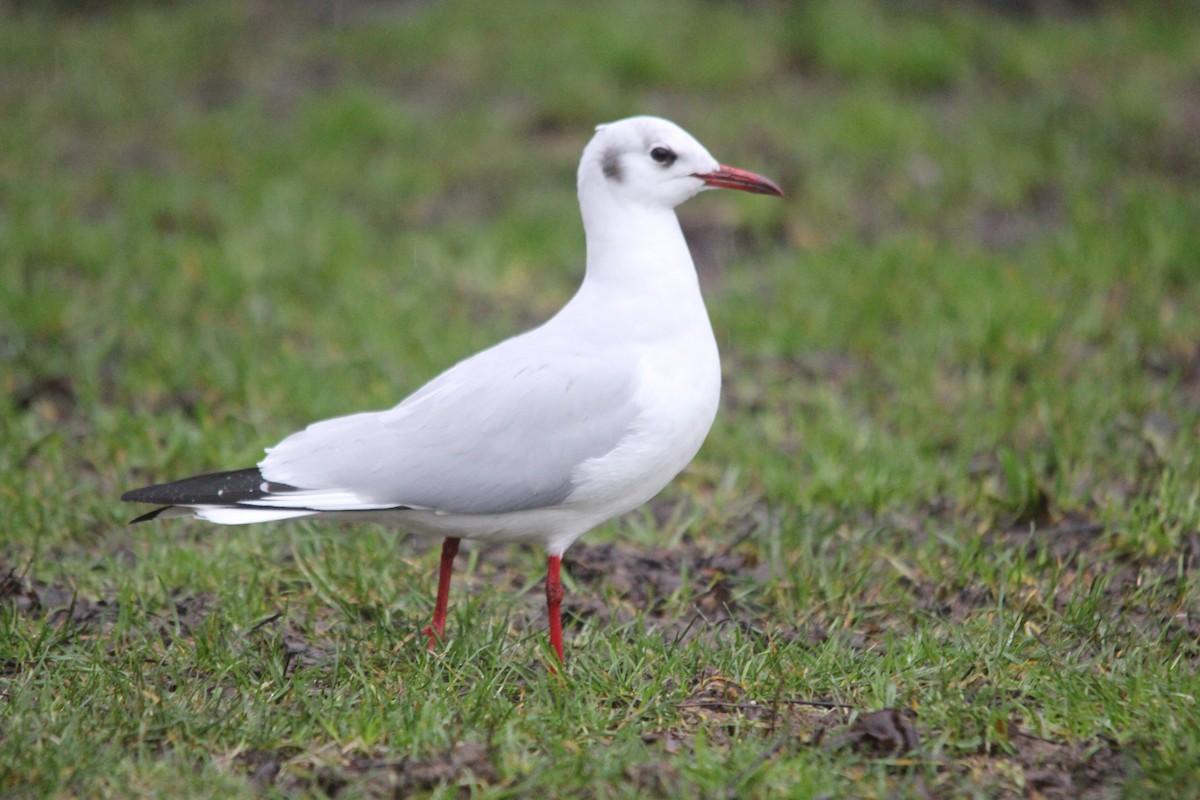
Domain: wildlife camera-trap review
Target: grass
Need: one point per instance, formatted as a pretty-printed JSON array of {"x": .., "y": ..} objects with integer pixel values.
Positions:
[{"x": 955, "y": 471}]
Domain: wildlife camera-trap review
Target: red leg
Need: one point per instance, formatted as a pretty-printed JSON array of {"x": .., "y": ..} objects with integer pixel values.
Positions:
[
  {"x": 554, "y": 596},
  {"x": 435, "y": 631}
]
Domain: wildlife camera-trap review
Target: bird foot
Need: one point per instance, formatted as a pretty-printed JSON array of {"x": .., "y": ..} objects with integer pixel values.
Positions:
[{"x": 434, "y": 637}]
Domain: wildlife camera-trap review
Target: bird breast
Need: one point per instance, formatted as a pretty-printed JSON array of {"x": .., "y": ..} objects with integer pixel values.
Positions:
[{"x": 678, "y": 388}]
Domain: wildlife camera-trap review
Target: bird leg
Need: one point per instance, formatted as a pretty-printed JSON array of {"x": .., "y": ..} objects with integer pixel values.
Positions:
[
  {"x": 554, "y": 596},
  {"x": 438, "y": 627}
]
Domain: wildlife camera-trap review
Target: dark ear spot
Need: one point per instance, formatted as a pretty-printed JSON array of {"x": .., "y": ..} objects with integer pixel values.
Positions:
[{"x": 610, "y": 162}]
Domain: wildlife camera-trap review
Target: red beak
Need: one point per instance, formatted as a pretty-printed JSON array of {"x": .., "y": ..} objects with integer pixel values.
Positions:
[{"x": 724, "y": 177}]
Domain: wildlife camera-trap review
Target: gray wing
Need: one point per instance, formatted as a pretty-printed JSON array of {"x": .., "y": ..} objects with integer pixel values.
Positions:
[{"x": 502, "y": 431}]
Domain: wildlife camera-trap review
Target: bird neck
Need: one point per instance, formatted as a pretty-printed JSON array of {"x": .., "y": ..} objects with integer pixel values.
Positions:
[
  {"x": 638, "y": 246},
  {"x": 640, "y": 272}
]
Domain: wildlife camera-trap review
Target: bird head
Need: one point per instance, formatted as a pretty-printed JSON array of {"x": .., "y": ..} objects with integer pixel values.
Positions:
[{"x": 653, "y": 162}]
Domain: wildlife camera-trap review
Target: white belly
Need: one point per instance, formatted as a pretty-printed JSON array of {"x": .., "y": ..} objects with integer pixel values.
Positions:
[
  {"x": 679, "y": 390},
  {"x": 679, "y": 395}
]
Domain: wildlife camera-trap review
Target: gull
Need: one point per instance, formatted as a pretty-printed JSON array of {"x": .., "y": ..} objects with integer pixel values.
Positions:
[{"x": 543, "y": 436}]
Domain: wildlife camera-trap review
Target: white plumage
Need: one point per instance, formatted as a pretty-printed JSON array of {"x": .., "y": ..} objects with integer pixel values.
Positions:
[{"x": 547, "y": 434}]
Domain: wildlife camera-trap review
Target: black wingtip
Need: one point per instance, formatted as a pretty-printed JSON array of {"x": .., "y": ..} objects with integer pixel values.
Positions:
[
  {"x": 149, "y": 515},
  {"x": 213, "y": 489}
]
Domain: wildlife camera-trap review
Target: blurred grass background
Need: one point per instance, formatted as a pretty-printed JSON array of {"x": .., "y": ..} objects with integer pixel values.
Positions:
[{"x": 972, "y": 317}]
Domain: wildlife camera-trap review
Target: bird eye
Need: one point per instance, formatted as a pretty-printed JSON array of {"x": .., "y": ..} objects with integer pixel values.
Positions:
[{"x": 663, "y": 155}]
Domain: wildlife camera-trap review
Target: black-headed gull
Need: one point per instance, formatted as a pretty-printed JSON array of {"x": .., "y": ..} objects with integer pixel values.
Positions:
[{"x": 543, "y": 436}]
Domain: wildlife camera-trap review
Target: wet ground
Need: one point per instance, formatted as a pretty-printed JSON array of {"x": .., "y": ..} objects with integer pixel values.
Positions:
[{"x": 617, "y": 583}]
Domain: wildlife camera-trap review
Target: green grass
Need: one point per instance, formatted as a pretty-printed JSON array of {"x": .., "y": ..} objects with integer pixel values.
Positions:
[{"x": 955, "y": 471}]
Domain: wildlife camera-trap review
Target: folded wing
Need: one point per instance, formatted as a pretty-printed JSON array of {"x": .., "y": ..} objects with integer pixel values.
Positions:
[{"x": 491, "y": 435}]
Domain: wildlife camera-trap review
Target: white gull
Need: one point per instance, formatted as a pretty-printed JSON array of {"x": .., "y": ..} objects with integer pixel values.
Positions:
[{"x": 547, "y": 434}]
